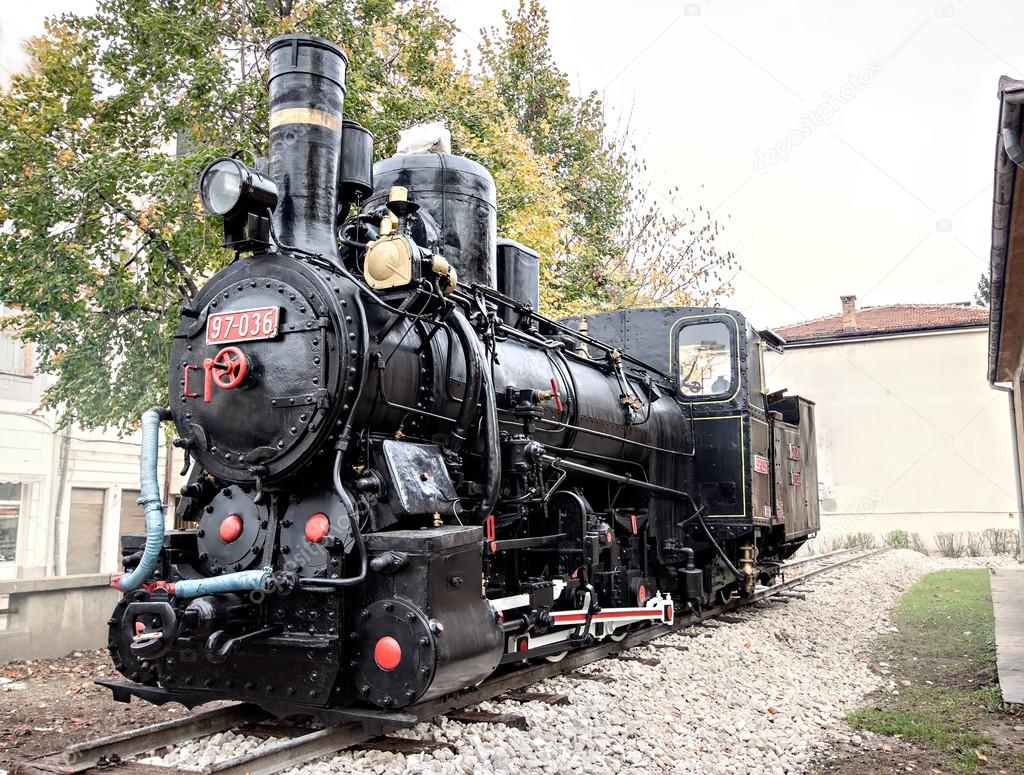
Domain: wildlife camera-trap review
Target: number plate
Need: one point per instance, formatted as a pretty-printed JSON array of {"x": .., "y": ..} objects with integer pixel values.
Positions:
[{"x": 243, "y": 325}]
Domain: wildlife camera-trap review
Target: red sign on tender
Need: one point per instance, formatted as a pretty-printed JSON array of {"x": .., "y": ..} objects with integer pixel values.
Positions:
[{"x": 761, "y": 464}]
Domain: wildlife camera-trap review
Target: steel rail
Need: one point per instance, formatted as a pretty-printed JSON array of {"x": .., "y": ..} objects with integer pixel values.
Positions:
[
  {"x": 284, "y": 754},
  {"x": 117, "y": 747},
  {"x": 820, "y": 557}
]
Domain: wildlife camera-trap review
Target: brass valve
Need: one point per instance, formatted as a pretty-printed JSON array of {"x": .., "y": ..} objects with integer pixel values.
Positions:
[{"x": 548, "y": 395}]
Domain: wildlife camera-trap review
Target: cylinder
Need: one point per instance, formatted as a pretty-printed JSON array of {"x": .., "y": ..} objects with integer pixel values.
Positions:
[
  {"x": 518, "y": 277},
  {"x": 460, "y": 196},
  {"x": 355, "y": 175},
  {"x": 307, "y": 98}
]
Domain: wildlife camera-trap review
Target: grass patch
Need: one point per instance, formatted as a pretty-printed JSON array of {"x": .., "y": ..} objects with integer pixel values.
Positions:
[
  {"x": 947, "y": 631},
  {"x": 943, "y": 661},
  {"x": 916, "y": 726}
]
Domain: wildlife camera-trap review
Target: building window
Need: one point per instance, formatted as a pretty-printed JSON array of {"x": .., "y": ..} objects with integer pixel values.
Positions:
[
  {"x": 15, "y": 355},
  {"x": 705, "y": 355},
  {"x": 10, "y": 510}
]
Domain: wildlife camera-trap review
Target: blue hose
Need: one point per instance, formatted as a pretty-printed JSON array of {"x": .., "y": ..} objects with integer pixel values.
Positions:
[
  {"x": 153, "y": 506},
  {"x": 215, "y": 585},
  {"x": 150, "y": 501}
]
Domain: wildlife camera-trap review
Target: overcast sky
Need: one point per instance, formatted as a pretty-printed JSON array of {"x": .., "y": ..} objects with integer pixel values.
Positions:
[{"x": 848, "y": 147}]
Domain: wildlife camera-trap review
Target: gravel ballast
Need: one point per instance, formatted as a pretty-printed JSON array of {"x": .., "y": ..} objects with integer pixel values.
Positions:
[{"x": 765, "y": 695}]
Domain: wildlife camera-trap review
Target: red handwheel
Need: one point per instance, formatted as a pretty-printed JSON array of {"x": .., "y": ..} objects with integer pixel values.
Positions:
[
  {"x": 557, "y": 397},
  {"x": 229, "y": 368}
]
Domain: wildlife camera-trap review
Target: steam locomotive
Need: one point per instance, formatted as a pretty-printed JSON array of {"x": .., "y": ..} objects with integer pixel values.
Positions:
[{"x": 403, "y": 477}]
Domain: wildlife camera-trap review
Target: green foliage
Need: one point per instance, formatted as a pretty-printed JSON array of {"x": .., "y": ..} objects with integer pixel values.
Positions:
[
  {"x": 619, "y": 246},
  {"x": 102, "y": 225},
  {"x": 570, "y": 131},
  {"x": 926, "y": 725},
  {"x": 902, "y": 539},
  {"x": 983, "y": 291},
  {"x": 118, "y": 111},
  {"x": 860, "y": 541},
  {"x": 897, "y": 539}
]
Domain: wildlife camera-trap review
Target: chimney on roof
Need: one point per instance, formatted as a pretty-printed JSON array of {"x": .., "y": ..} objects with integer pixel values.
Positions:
[{"x": 849, "y": 312}]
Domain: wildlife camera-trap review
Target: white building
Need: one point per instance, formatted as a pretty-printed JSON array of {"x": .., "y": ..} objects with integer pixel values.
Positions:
[
  {"x": 910, "y": 436},
  {"x": 66, "y": 496}
]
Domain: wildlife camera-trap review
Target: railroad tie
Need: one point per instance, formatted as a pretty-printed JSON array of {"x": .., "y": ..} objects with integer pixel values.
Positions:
[
  {"x": 649, "y": 661},
  {"x": 676, "y": 646},
  {"x": 485, "y": 717},
  {"x": 693, "y": 633},
  {"x": 598, "y": 677},
  {"x": 550, "y": 698},
  {"x": 403, "y": 745}
]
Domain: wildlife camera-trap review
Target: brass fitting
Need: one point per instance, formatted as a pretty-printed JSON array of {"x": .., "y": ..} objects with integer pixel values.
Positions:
[
  {"x": 453, "y": 280},
  {"x": 632, "y": 401},
  {"x": 748, "y": 565},
  {"x": 439, "y": 265},
  {"x": 582, "y": 348},
  {"x": 398, "y": 196},
  {"x": 388, "y": 262}
]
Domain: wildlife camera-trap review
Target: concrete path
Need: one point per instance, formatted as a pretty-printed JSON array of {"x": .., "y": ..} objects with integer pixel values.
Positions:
[{"x": 1008, "y": 604}]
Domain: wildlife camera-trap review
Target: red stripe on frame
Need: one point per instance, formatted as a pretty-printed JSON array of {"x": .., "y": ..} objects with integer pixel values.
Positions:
[{"x": 638, "y": 613}]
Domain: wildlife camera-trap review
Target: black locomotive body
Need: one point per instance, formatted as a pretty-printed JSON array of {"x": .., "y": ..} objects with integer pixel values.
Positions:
[{"x": 402, "y": 476}]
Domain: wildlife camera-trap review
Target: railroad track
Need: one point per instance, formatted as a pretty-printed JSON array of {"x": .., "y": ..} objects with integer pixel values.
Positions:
[{"x": 116, "y": 751}]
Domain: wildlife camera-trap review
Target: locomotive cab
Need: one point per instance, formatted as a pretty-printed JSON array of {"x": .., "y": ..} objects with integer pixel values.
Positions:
[{"x": 756, "y": 466}]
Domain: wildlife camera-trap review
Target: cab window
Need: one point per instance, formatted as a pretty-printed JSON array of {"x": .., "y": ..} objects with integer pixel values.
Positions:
[{"x": 705, "y": 358}]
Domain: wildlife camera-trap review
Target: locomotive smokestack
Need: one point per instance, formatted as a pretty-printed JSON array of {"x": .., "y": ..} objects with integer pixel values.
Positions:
[{"x": 307, "y": 98}]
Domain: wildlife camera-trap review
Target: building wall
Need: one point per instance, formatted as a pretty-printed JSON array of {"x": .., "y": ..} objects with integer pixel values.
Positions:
[
  {"x": 910, "y": 436},
  {"x": 41, "y": 468},
  {"x": 48, "y": 464}
]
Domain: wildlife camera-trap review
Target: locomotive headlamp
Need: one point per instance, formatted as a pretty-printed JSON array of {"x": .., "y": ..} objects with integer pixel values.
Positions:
[
  {"x": 228, "y": 187},
  {"x": 221, "y": 187},
  {"x": 243, "y": 197}
]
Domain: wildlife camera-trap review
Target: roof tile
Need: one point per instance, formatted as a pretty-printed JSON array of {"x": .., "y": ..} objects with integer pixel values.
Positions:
[{"x": 894, "y": 317}]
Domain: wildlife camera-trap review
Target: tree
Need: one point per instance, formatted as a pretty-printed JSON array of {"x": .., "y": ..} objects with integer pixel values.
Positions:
[
  {"x": 620, "y": 244},
  {"x": 101, "y": 223},
  {"x": 106, "y": 130},
  {"x": 983, "y": 292},
  {"x": 670, "y": 254},
  {"x": 570, "y": 132}
]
